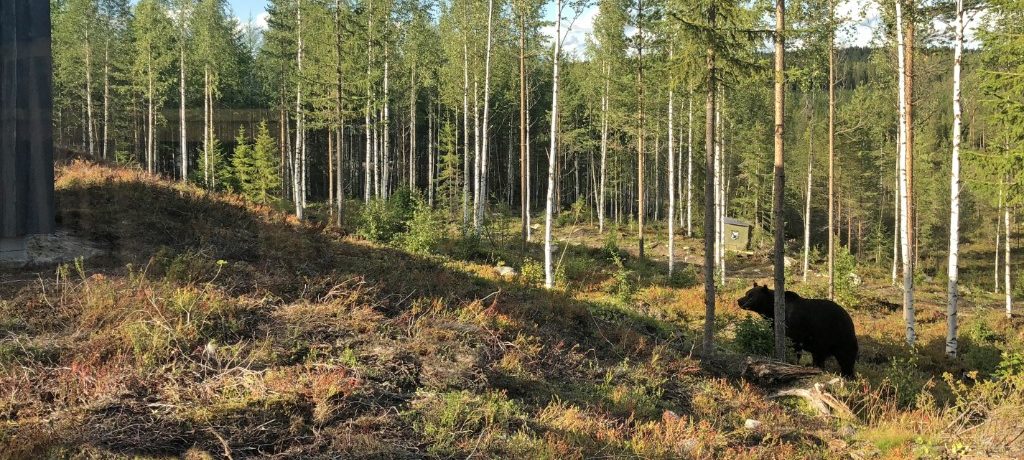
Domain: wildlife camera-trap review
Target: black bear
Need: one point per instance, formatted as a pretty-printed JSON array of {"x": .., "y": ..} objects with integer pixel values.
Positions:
[{"x": 819, "y": 326}]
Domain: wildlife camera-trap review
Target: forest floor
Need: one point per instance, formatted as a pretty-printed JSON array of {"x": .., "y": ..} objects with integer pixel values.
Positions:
[{"x": 214, "y": 328}]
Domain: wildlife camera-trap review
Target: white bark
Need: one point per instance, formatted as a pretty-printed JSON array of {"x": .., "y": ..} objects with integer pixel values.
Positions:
[
  {"x": 385, "y": 133},
  {"x": 549, "y": 275},
  {"x": 807, "y": 204},
  {"x": 106, "y": 100},
  {"x": 485, "y": 130},
  {"x": 476, "y": 156},
  {"x": 88, "y": 95},
  {"x": 671, "y": 174},
  {"x": 604, "y": 148},
  {"x": 368, "y": 162},
  {"x": 689, "y": 167},
  {"x": 465, "y": 121},
  {"x": 954, "y": 190},
  {"x": 182, "y": 124},
  {"x": 908, "y": 275},
  {"x": 1007, "y": 287},
  {"x": 999, "y": 212},
  {"x": 300, "y": 166}
]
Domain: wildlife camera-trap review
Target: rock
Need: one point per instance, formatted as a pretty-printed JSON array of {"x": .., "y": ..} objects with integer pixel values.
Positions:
[
  {"x": 505, "y": 271},
  {"x": 669, "y": 417},
  {"x": 855, "y": 279},
  {"x": 751, "y": 424},
  {"x": 788, "y": 262}
]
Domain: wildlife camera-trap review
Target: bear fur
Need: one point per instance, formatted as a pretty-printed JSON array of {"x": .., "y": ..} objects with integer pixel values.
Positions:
[{"x": 819, "y": 326}]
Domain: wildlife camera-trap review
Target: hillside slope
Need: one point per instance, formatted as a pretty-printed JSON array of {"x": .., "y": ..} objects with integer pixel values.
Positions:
[{"x": 215, "y": 328}]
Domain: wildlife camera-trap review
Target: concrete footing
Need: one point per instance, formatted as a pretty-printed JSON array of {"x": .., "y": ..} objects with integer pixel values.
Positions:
[{"x": 13, "y": 251}]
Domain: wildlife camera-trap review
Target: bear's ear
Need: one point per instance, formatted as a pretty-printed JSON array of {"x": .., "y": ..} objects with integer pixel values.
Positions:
[{"x": 755, "y": 283}]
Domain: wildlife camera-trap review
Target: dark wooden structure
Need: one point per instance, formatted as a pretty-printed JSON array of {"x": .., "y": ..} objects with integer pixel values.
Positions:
[{"x": 26, "y": 133}]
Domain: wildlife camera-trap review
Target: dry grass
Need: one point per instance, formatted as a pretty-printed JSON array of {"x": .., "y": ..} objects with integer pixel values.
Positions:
[{"x": 216, "y": 328}]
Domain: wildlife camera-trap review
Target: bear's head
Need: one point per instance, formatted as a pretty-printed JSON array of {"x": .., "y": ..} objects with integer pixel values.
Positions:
[{"x": 760, "y": 300}]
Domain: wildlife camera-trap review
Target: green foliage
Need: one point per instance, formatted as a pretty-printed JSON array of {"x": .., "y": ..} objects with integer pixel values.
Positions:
[
  {"x": 379, "y": 221},
  {"x": 447, "y": 419},
  {"x": 845, "y": 270},
  {"x": 214, "y": 170},
  {"x": 684, "y": 277},
  {"x": 531, "y": 273},
  {"x": 625, "y": 283},
  {"x": 424, "y": 230},
  {"x": 1011, "y": 365},
  {"x": 903, "y": 375},
  {"x": 255, "y": 166},
  {"x": 125, "y": 158},
  {"x": 754, "y": 335}
]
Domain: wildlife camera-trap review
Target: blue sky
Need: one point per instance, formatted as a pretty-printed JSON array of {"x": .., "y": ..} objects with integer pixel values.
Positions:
[
  {"x": 246, "y": 9},
  {"x": 862, "y": 18}
]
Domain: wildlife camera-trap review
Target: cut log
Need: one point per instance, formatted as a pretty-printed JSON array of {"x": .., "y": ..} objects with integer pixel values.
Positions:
[{"x": 770, "y": 372}]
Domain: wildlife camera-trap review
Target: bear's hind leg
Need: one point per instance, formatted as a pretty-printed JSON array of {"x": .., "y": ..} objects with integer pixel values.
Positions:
[
  {"x": 846, "y": 362},
  {"x": 819, "y": 359}
]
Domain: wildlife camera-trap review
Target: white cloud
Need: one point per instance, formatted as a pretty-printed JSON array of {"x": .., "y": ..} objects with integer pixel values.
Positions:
[{"x": 574, "y": 33}]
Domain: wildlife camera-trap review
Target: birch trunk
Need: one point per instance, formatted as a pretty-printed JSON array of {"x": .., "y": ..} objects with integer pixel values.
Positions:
[
  {"x": 485, "y": 140},
  {"x": 88, "y": 95},
  {"x": 908, "y": 273},
  {"x": 1007, "y": 287},
  {"x": 549, "y": 275},
  {"x": 106, "y": 100},
  {"x": 671, "y": 173},
  {"x": 954, "y": 191},
  {"x": 640, "y": 130},
  {"x": 182, "y": 123},
  {"x": 385, "y": 132},
  {"x": 299, "y": 171},
  {"x": 476, "y": 157},
  {"x": 999, "y": 212},
  {"x": 524, "y": 168},
  {"x": 465, "y": 119},
  {"x": 810, "y": 183},
  {"x": 689, "y": 167},
  {"x": 412, "y": 130},
  {"x": 709, "y": 202}
]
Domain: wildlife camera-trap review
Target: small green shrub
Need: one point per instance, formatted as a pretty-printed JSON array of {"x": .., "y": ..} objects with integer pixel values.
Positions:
[
  {"x": 378, "y": 222},
  {"x": 531, "y": 273},
  {"x": 754, "y": 335},
  {"x": 626, "y": 281},
  {"x": 684, "y": 277},
  {"x": 451, "y": 422},
  {"x": 906, "y": 381},
  {"x": 979, "y": 331},
  {"x": 845, "y": 270},
  {"x": 425, "y": 229},
  {"x": 1011, "y": 365}
]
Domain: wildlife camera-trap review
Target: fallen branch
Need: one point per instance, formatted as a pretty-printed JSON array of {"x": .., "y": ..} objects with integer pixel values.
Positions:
[
  {"x": 771, "y": 372},
  {"x": 820, "y": 400}
]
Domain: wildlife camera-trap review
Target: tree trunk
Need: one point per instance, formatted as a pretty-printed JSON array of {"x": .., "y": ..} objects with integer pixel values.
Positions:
[
  {"x": 689, "y": 166},
  {"x": 106, "y": 100},
  {"x": 182, "y": 123},
  {"x": 1007, "y": 287},
  {"x": 549, "y": 274},
  {"x": 485, "y": 140},
  {"x": 671, "y": 172},
  {"x": 810, "y": 183},
  {"x": 709, "y": 201},
  {"x": 476, "y": 156},
  {"x": 640, "y": 130},
  {"x": 999, "y": 212},
  {"x": 954, "y": 191},
  {"x": 339, "y": 128},
  {"x": 524, "y": 168},
  {"x": 91, "y": 148},
  {"x": 604, "y": 146},
  {"x": 385, "y": 132},
  {"x": 778, "y": 224},
  {"x": 299, "y": 171},
  {"x": 905, "y": 243},
  {"x": 832, "y": 152},
  {"x": 465, "y": 118},
  {"x": 412, "y": 129}
]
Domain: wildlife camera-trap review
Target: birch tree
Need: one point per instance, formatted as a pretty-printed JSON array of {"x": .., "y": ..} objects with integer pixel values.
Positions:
[
  {"x": 908, "y": 273},
  {"x": 954, "y": 189},
  {"x": 549, "y": 210}
]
